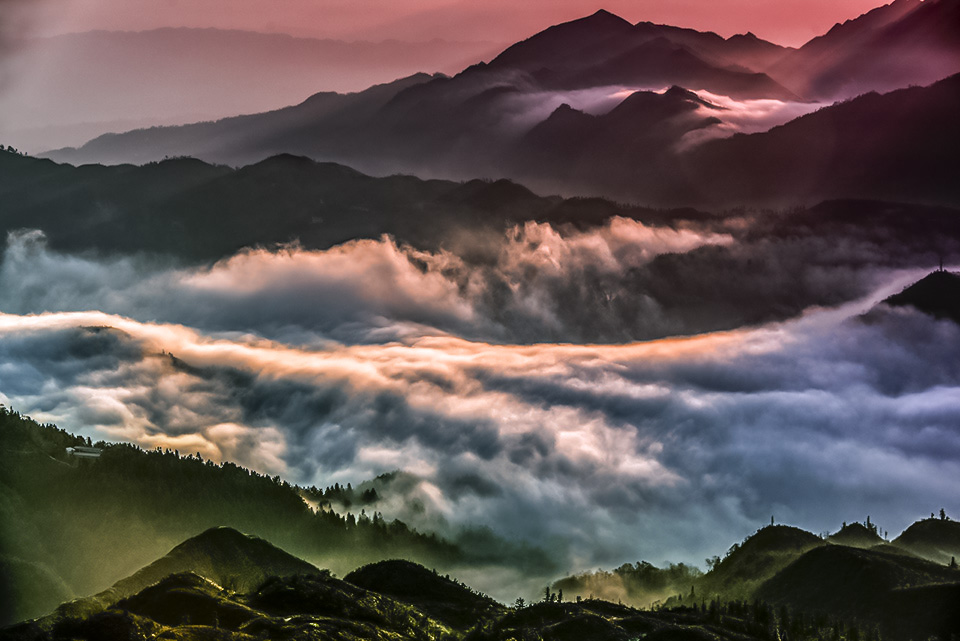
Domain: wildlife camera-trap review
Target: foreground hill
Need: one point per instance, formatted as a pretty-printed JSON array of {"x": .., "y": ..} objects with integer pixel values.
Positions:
[
  {"x": 856, "y": 535},
  {"x": 935, "y": 539},
  {"x": 446, "y": 600},
  {"x": 758, "y": 558},
  {"x": 82, "y": 525},
  {"x": 864, "y": 585},
  {"x": 830, "y": 590}
]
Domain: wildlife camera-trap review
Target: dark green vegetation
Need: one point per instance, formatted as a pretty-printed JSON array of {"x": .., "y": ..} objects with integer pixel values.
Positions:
[
  {"x": 72, "y": 527},
  {"x": 224, "y": 585},
  {"x": 812, "y": 585}
]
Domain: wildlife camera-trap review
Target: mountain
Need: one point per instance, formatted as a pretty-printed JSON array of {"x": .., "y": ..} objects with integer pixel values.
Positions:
[
  {"x": 757, "y": 559},
  {"x": 856, "y": 535},
  {"x": 897, "y": 146},
  {"x": 463, "y": 125},
  {"x": 240, "y": 139},
  {"x": 190, "y": 607},
  {"x": 85, "y": 84},
  {"x": 199, "y": 211},
  {"x": 223, "y": 555},
  {"x": 829, "y": 588},
  {"x": 905, "y": 43},
  {"x": 937, "y": 294},
  {"x": 444, "y": 599},
  {"x": 606, "y": 49},
  {"x": 937, "y": 540},
  {"x": 220, "y": 558},
  {"x": 854, "y": 583},
  {"x": 573, "y": 145}
]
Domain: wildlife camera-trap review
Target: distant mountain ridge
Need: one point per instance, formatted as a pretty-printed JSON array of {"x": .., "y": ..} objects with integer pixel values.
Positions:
[
  {"x": 671, "y": 152},
  {"x": 907, "y": 42},
  {"x": 96, "y": 81}
]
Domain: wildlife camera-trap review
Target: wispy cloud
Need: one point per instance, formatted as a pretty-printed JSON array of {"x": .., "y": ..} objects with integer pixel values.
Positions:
[{"x": 659, "y": 449}]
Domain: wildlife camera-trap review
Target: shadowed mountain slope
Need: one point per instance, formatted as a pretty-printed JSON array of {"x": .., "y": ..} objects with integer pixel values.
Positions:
[
  {"x": 899, "y": 145},
  {"x": 851, "y": 582},
  {"x": 937, "y": 540},
  {"x": 757, "y": 559},
  {"x": 937, "y": 294},
  {"x": 856, "y": 535},
  {"x": 908, "y": 42},
  {"x": 446, "y": 600}
]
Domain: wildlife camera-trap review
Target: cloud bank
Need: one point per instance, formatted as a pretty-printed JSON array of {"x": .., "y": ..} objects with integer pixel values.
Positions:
[{"x": 473, "y": 377}]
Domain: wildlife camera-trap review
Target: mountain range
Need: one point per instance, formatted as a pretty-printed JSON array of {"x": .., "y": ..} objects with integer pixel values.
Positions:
[
  {"x": 587, "y": 107},
  {"x": 77, "y": 86}
]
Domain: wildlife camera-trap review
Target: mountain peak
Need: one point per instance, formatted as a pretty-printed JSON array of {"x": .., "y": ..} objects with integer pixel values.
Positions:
[
  {"x": 936, "y": 539},
  {"x": 220, "y": 554},
  {"x": 607, "y": 16},
  {"x": 937, "y": 294},
  {"x": 856, "y": 535}
]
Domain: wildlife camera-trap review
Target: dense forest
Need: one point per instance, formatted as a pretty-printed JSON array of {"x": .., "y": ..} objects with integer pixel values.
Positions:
[{"x": 74, "y": 526}]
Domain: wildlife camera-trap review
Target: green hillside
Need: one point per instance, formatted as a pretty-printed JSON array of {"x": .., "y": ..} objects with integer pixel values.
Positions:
[
  {"x": 853, "y": 583},
  {"x": 71, "y": 528},
  {"x": 935, "y": 539},
  {"x": 752, "y": 562},
  {"x": 857, "y": 535}
]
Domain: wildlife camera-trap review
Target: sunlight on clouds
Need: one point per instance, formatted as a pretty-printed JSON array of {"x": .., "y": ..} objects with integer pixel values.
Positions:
[{"x": 589, "y": 446}]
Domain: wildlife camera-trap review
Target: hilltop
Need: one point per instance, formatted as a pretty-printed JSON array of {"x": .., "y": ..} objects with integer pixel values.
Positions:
[
  {"x": 446, "y": 600},
  {"x": 857, "y": 535},
  {"x": 937, "y": 294},
  {"x": 936, "y": 539}
]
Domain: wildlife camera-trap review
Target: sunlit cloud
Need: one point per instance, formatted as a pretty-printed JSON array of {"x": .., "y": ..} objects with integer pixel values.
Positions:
[{"x": 474, "y": 379}]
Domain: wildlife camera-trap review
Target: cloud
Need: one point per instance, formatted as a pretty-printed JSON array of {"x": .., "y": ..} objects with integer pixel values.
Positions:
[
  {"x": 473, "y": 376},
  {"x": 368, "y": 290},
  {"x": 607, "y": 452}
]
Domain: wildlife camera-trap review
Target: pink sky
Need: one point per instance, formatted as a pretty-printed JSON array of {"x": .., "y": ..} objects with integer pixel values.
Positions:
[{"x": 790, "y": 22}]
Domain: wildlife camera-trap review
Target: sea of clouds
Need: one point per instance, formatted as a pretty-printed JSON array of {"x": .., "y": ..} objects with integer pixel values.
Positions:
[{"x": 554, "y": 393}]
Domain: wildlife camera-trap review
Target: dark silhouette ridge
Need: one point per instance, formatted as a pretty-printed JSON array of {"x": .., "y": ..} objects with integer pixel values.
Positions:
[
  {"x": 937, "y": 294},
  {"x": 856, "y": 535},
  {"x": 904, "y": 43},
  {"x": 896, "y": 146},
  {"x": 851, "y": 582},
  {"x": 934, "y": 539},
  {"x": 758, "y": 558},
  {"x": 446, "y": 600}
]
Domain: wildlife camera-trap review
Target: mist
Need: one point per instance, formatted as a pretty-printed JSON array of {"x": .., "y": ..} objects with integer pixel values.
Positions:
[{"x": 474, "y": 380}]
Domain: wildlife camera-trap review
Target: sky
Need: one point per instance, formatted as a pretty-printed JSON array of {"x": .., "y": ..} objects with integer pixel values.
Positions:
[{"x": 788, "y": 22}]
